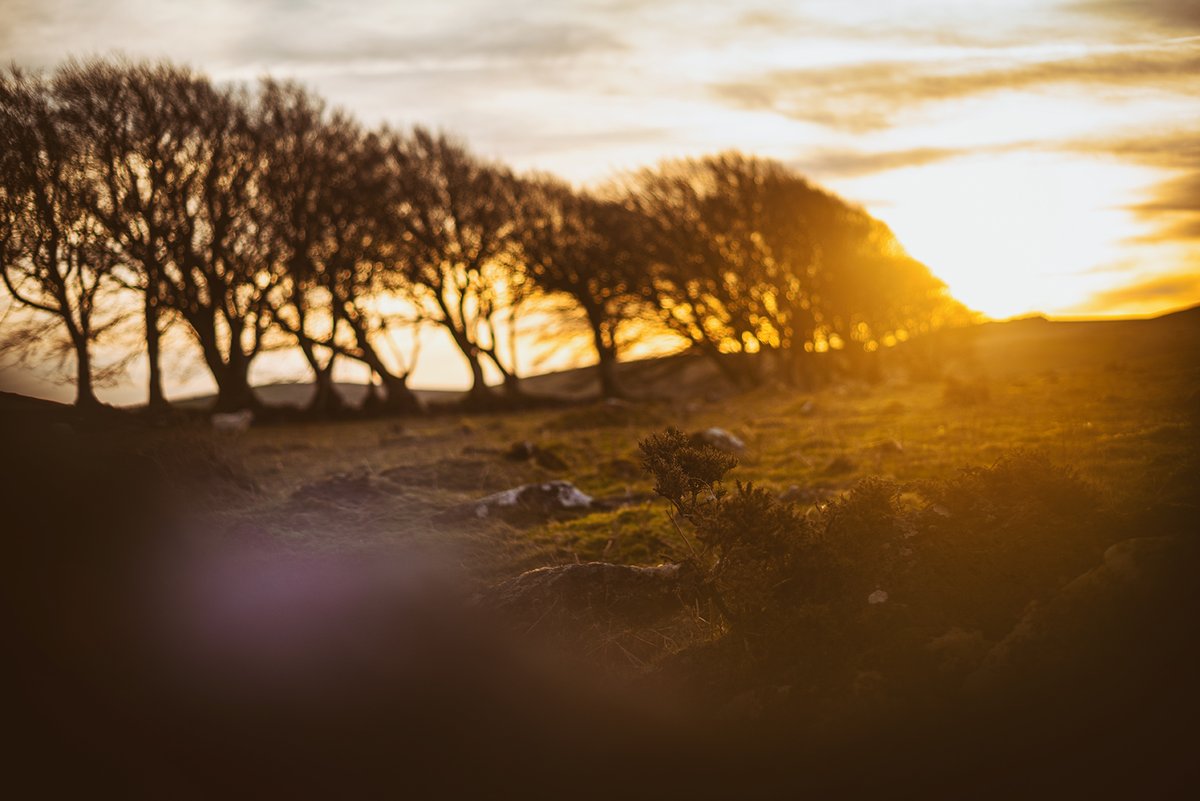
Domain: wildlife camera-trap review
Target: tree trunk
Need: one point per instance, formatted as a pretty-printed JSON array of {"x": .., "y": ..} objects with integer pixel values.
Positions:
[
  {"x": 606, "y": 360},
  {"x": 479, "y": 394},
  {"x": 233, "y": 385},
  {"x": 512, "y": 384},
  {"x": 732, "y": 372},
  {"x": 326, "y": 400},
  {"x": 156, "y": 400},
  {"x": 398, "y": 397},
  {"x": 802, "y": 373},
  {"x": 610, "y": 387},
  {"x": 85, "y": 395}
]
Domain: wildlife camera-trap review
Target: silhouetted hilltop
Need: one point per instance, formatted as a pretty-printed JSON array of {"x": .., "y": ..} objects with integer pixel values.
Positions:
[{"x": 998, "y": 349}]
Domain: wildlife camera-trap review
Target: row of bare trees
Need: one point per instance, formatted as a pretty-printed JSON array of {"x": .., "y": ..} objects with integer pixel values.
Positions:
[{"x": 263, "y": 219}]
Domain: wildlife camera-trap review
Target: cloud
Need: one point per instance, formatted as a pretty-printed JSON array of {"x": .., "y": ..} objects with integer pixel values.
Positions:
[
  {"x": 1171, "y": 15},
  {"x": 867, "y": 96},
  {"x": 227, "y": 34},
  {"x": 852, "y": 163},
  {"x": 1173, "y": 205},
  {"x": 1163, "y": 291},
  {"x": 474, "y": 41}
]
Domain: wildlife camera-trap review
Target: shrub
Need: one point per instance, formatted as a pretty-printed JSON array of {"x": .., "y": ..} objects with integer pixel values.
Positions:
[{"x": 749, "y": 542}]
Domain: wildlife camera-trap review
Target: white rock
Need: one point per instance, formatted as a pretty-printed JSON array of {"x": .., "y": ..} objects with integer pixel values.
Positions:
[
  {"x": 547, "y": 496},
  {"x": 877, "y": 597},
  {"x": 722, "y": 440},
  {"x": 233, "y": 422}
]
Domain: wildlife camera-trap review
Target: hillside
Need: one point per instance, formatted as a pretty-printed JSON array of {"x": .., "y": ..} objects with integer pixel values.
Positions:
[
  {"x": 986, "y": 555},
  {"x": 997, "y": 349}
]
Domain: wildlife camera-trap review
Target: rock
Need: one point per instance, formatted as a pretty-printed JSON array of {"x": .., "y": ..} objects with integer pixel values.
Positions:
[
  {"x": 597, "y": 590},
  {"x": 544, "y": 500},
  {"x": 720, "y": 439},
  {"x": 878, "y": 597},
  {"x": 807, "y": 408},
  {"x": 889, "y": 446},
  {"x": 233, "y": 422}
]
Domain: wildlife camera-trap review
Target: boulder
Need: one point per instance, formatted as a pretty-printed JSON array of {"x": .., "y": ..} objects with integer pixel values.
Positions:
[
  {"x": 233, "y": 422},
  {"x": 544, "y": 500},
  {"x": 720, "y": 439}
]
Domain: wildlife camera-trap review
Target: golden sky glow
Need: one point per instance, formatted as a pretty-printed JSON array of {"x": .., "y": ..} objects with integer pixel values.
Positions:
[{"x": 1039, "y": 156}]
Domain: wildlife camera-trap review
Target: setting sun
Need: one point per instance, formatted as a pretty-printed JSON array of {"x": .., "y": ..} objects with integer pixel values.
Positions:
[{"x": 1004, "y": 232}]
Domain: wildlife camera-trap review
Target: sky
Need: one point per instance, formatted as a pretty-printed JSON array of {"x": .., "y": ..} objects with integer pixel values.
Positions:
[{"x": 1041, "y": 156}]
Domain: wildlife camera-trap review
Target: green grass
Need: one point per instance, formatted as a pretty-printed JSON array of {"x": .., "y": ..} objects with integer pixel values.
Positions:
[{"x": 1123, "y": 425}]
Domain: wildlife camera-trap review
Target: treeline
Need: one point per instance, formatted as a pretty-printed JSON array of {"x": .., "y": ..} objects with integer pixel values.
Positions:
[{"x": 260, "y": 219}]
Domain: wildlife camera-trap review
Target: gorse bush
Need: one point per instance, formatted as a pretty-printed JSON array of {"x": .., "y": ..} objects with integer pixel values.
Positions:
[
  {"x": 748, "y": 543},
  {"x": 971, "y": 551}
]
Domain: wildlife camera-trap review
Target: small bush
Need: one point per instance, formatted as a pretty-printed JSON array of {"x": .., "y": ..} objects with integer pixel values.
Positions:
[{"x": 749, "y": 542}]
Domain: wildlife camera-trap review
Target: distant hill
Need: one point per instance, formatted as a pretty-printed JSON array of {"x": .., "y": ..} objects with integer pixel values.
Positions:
[{"x": 997, "y": 349}]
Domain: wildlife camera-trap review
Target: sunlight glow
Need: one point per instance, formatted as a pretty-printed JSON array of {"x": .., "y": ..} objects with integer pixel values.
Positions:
[{"x": 1013, "y": 234}]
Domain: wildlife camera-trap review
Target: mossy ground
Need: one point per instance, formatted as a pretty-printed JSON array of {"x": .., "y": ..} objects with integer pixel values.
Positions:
[{"x": 1124, "y": 426}]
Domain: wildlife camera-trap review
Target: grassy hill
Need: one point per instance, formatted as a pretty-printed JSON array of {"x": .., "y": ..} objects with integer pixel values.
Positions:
[{"x": 988, "y": 555}]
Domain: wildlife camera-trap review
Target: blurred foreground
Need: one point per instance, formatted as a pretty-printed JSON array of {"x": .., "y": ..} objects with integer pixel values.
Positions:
[{"x": 324, "y": 609}]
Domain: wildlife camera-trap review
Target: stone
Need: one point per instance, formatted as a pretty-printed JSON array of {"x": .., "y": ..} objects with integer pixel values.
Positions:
[
  {"x": 232, "y": 422},
  {"x": 720, "y": 439},
  {"x": 545, "y": 499}
]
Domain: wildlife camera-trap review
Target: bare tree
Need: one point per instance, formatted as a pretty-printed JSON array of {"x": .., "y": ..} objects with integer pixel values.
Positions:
[
  {"x": 117, "y": 108},
  {"x": 54, "y": 256},
  {"x": 220, "y": 255},
  {"x": 586, "y": 248},
  {"x": 326, "y": 185},
  {"x": 455, "y": 220}
]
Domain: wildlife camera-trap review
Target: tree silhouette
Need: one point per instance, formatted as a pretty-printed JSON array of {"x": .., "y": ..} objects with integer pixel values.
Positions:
[
  {"x": 455, "y": 220},
  {"x": 326, "y": 186},
  {"x": 748, "y": 257},
  {"x": 118, "y": 109},
  {"x": 220, "y": 250},
  {"x": 261, "y": 219},
  {"x": 54, "y": 256},
  {"x": 586, "y": 248}
]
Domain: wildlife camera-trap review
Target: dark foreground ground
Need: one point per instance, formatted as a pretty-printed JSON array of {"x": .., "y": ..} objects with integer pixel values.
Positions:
[{"x": 982, "y": 583}]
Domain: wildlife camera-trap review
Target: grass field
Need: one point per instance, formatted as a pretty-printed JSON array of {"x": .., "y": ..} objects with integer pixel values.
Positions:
[
  {"x": 1115, "y": 401},
  {"x": 998, "y": 558}
]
